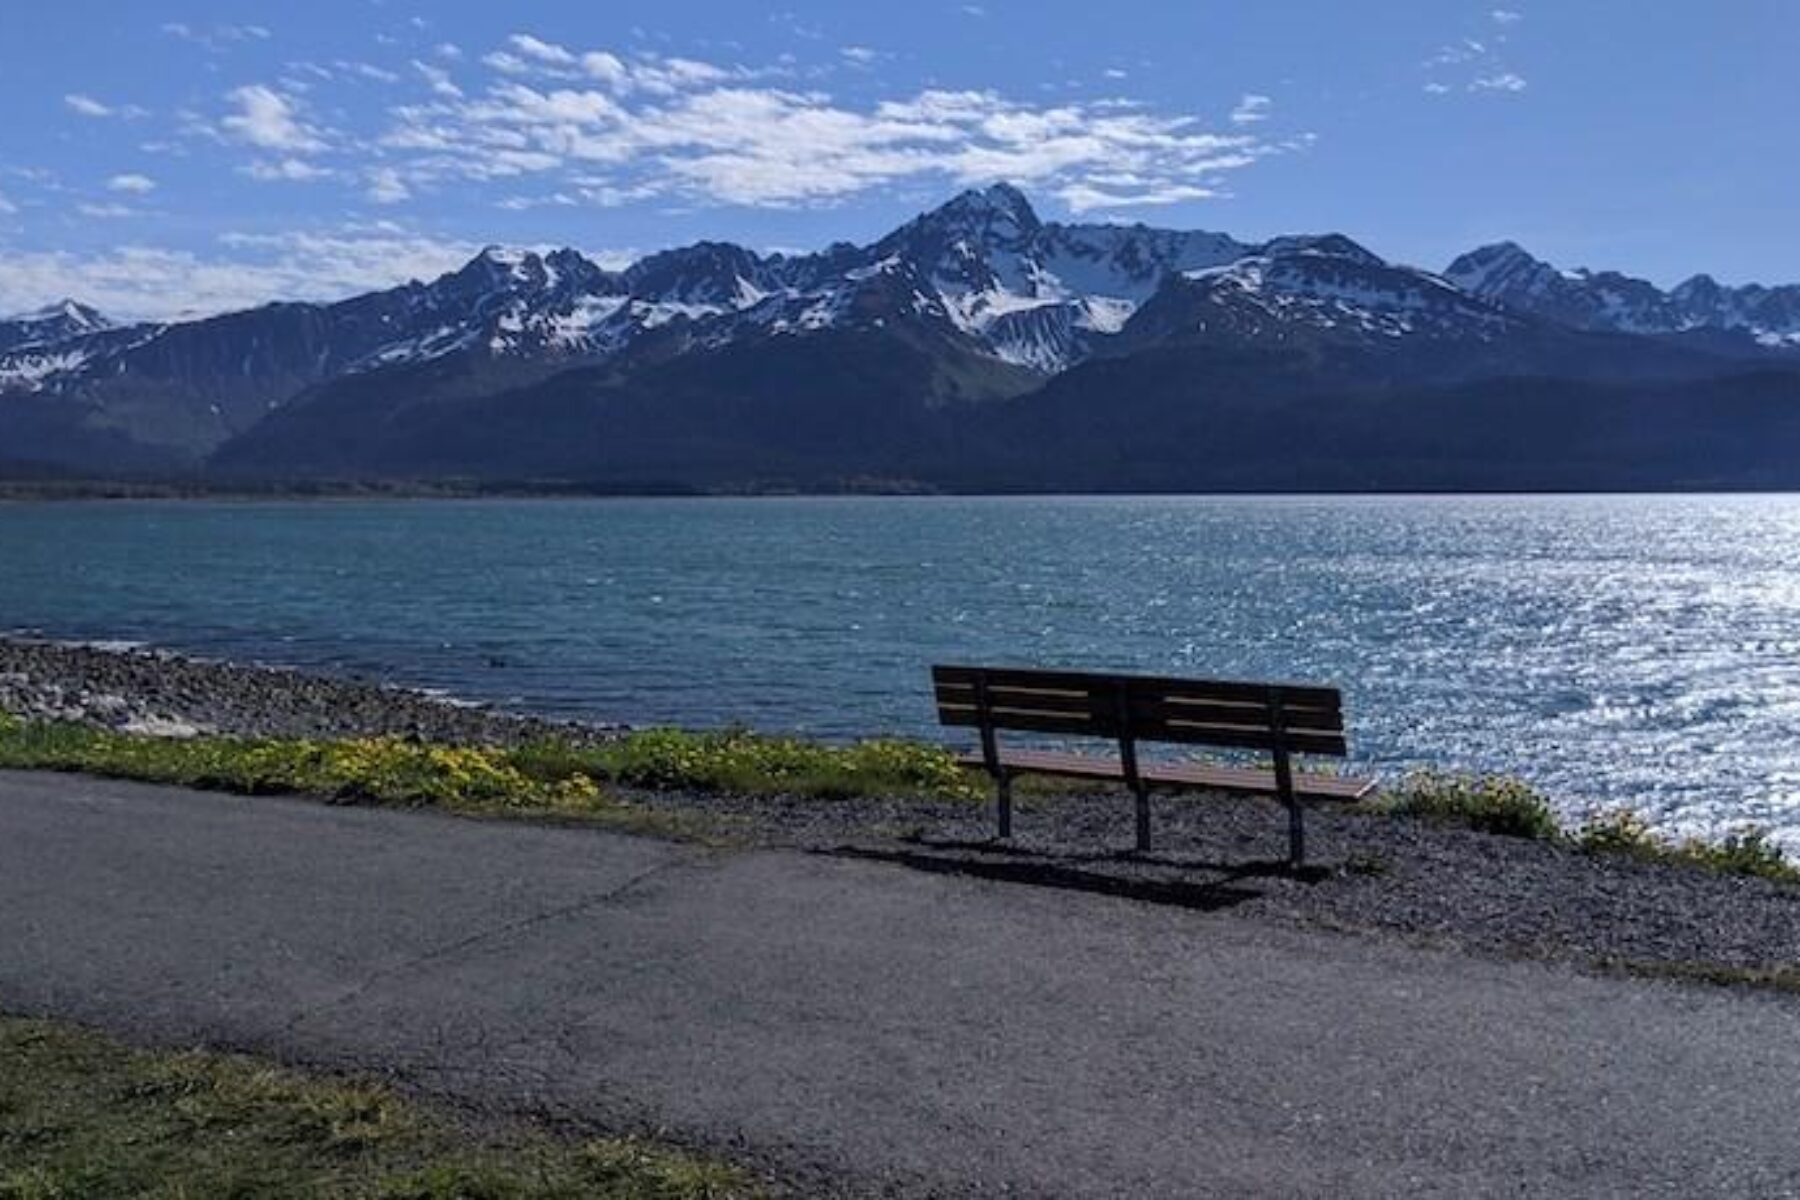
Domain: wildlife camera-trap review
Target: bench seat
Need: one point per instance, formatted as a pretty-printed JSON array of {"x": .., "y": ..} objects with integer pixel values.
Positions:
[{"x": 1210, "y": 776}]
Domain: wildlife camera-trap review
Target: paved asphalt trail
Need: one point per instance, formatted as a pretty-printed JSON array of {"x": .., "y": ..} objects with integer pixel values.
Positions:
[{"x": 861, "y": 1023}]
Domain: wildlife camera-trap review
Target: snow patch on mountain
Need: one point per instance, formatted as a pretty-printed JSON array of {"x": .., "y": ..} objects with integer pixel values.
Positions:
[
  {"x": 1507, "y": 274},
  {"x": 27, "y": 370}
]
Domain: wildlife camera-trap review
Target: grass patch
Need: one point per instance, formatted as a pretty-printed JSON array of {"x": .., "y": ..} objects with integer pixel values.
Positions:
[
  {"x": 1490, "y": 803},
  {"x": 83, "y": 1116},
  {"x": 387, "y": 771},
  {"x": 1503, "y": 805},
  {"x": 1779, "y": 979},
  {"x": 754, "y": 764},
  {"x": 1748, "y": 851},
  {"x": 552, "y": 778}
]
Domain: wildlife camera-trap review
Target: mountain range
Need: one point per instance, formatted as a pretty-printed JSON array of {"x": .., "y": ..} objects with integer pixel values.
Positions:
[{"x": 976, "y": 347}]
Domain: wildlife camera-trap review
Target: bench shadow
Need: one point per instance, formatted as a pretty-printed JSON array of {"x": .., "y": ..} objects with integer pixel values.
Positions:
[
  {"x": 1006, "y": 865},
  {"x": 1274, "y": 868}
]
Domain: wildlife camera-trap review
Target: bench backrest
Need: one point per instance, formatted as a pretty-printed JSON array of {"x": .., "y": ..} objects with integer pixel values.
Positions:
[{"x": 1250, "y": 716}]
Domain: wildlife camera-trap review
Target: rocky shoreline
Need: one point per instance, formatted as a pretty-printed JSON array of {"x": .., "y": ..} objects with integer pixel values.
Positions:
[
  {"x": 161, "y": 693},
  {"x": 1379, "y": 875}
]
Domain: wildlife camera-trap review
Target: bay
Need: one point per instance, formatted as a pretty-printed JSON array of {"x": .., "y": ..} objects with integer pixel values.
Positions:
[{"x": 1640, "y": 650}]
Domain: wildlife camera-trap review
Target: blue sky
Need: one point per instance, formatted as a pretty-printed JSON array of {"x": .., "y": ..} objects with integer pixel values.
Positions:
[{"x": 180, "y": 156}]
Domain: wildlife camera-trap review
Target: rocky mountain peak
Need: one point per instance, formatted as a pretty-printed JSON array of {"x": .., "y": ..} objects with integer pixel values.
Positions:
[
  {"x": 996, "y": 216},
  {"x": 1328, "y": 245}
]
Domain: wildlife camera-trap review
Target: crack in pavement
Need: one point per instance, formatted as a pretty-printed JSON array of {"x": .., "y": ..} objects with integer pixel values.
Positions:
[{"x": 461, "y": 945}]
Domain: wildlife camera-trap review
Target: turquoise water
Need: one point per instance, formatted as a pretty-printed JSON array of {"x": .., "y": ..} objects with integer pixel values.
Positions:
[{"x": 1641, "y": 650}]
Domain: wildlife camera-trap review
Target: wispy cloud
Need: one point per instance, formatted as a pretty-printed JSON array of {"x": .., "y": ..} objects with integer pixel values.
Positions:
[
  {"x": 87, "y": 106},
  {"x": 1477, "y": 64},
  {"x": 541, "y": 51},
  {"x": 216, "y": 38},
  {"x": 610, "y": 128},
  {"x": 131, "y": 182},
  {"x": 439, "y": 80},
  {"x": 105, "y": 212},
  {"x": 144, "y": 282},
  {"x": 1505, "y": 81},
  {"x": 1251, "y": 108},
  {"x": 286, "y": 170},
  {"x": 387, "y": 187},
  {"x": 270, "y": 120}
]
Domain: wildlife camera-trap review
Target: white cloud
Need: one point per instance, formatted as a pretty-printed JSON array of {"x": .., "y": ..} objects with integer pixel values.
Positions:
[
  {"x": 1250, "y": 109},
  {"x": 1505, "y": 81},
  {"x": 7, "y": 207},
  {"x": 105, "y": 211},
  {"x": 859, "y": 54},
  {"x": 449, "y": 50},
  {"x": 387, "y": 187},
  {"x": 270, "y": 120},
  {"x": 438, "y": 79},
  {"x": 368, "y": 71},
  {"x": 1084, "y": 197},
  {"x": 608, "y": 68},
  {"x": 286, "y": 170},
  {"x": 511, "y": 64},
  {"x": 131, "y": 182},
  {"x": 216, "y": 38},
  {"x": 1474, "y": 64},
  {"x": 675, "y": 128},
  {"x": 143, "y": 282},
  {"x": 86, "y": 105},
  {"x": 542, "y": 51}
]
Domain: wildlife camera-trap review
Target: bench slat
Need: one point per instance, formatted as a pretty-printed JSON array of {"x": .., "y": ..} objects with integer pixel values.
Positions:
[
  {"x": 1100, "y": 703},
  {"x": 1293, "y": 696},
  {"x": 1247, "y": 780},
  {"x": 1237, "y": 737}
]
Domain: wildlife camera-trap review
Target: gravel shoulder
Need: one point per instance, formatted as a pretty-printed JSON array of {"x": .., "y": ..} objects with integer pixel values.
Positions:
[
  {"x": 158, "y": 692},
  {"x": 1393, "y": 878}
]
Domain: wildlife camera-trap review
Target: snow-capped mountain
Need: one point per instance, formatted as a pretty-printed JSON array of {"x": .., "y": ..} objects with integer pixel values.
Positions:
[
  {"x": 1318, "y": 290},
  {"x": 1609, "y": 301},
  {"x": 983, "y": 267},
  {"x": 979, "y": 297},
  {"x": 52, "y": 323}
]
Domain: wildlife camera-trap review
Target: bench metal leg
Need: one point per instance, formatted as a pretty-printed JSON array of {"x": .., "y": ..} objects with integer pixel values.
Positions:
[
  {"x": 1003, "y": 802},
  {"x": 1296, "y": 835},
  {"x": 1284, "y": 786}
]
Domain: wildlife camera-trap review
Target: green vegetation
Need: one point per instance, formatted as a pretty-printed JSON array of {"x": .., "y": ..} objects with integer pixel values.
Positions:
[
  {"x": 753, "y": 764},
  {"x": 1489, "y": 803},
  {"x": 1747, "y": 851},
  {"x": 545, "y": 778},
  {"x": 1780, "y": 979},
  {"x": 390, "y": 771},
  {"x": 1499, "y": 804},
  {"x": 82, "y": 1116}
]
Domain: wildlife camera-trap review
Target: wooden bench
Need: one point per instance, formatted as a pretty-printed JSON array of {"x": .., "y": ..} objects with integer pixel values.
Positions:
[{"x": 1278, "y": 719}]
